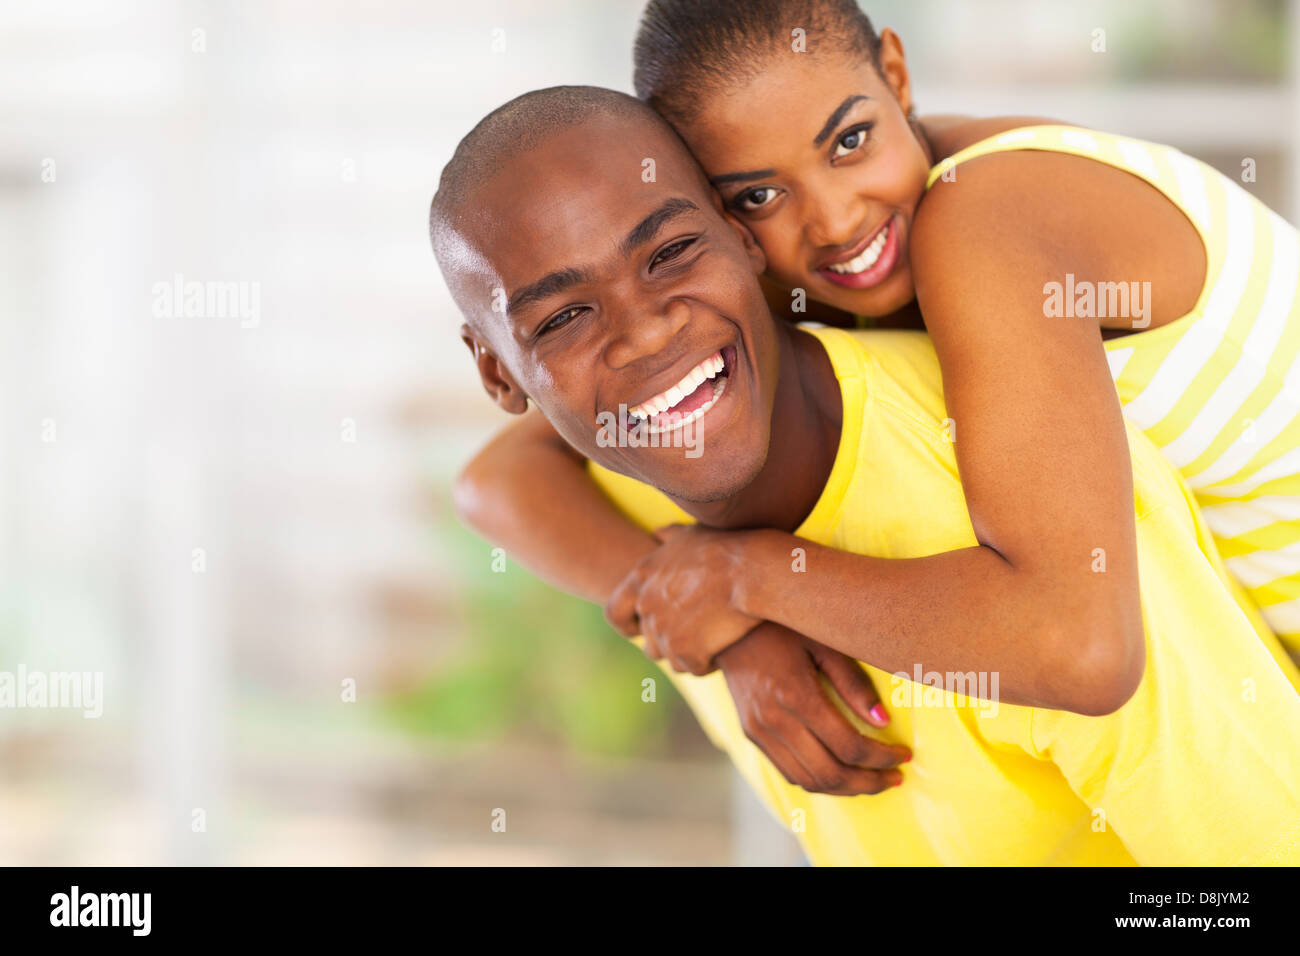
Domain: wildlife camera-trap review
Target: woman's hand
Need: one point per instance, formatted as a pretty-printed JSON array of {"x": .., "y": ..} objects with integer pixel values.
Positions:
[
  {"x": 680, "y": 598},
  {"x": 773, "y": 674}
]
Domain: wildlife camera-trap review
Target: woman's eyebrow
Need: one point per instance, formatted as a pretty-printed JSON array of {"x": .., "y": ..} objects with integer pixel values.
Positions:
[
  {"x": 740, "y": 177},
  {"x": 827, "y": 129},
  {"x": 836, "y": 116}
]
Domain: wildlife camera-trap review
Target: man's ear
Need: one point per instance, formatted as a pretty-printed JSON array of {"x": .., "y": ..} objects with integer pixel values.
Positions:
[
  {"x": 752, "y": 248},
  {"x": 893, "y": 68},
  {"x": 497, "y": 380}
]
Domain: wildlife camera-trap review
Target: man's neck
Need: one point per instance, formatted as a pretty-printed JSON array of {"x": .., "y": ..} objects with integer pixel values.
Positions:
[{"x": 807, "y": 416}]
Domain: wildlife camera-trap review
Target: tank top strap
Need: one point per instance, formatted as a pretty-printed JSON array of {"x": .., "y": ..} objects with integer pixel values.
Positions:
[{"x": 1133, "y": 155}]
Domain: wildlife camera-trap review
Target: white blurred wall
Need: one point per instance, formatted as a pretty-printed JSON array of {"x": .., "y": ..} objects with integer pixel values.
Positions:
[{"x": 294, "y": 146}]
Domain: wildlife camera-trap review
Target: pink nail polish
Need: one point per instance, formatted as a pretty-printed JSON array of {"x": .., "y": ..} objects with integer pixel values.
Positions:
[{"x": 878, "y": 714}]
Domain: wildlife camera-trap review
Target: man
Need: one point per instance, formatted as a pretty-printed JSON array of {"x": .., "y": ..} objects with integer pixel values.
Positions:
[{"x": 586, "y": 285}]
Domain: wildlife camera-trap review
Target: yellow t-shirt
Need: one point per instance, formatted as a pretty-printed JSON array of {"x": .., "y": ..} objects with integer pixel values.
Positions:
[{"x": 1201, "y": 766}]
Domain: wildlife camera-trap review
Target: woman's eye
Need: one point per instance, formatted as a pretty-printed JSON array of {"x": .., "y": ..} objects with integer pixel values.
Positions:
[
  {"x": 753, "y": 199},
  {"x": 670, "y": 252},
  {"x": 851, "y": 140}
]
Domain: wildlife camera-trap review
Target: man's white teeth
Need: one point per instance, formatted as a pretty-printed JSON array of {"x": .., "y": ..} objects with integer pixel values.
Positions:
[
  {"x": 696, "y": 377},
  {"x": 719, "y": 386},
  {"x": 867, "y": 258}
]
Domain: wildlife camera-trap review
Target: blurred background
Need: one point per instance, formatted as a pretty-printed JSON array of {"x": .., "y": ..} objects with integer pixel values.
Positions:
[{"x": 239, "y": 514}]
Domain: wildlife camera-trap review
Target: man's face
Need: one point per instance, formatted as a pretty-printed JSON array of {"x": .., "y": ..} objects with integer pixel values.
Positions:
[{"x": 625, "y": 296}]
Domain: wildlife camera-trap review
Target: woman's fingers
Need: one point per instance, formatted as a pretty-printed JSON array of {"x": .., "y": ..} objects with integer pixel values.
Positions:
[
  {"x": 851, "y": 683},
  {"x": 781, "y": 758},
  {"x": 806, "y": 704},
  {"x": 828, "y": 774},
  {"x": 846, "y": 743}
]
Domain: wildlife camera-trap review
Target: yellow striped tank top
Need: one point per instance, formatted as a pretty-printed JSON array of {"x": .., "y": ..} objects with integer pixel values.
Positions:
[{"x": 1217, "y": 390}]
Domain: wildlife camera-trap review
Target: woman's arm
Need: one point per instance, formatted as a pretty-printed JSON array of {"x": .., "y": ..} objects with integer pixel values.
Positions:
[
  {"x": 529, "y": 492},
  {"x": 1045, "y": 466},
  {"x": 962, "y": 611},
  {"x": 1041, "y": 442}
]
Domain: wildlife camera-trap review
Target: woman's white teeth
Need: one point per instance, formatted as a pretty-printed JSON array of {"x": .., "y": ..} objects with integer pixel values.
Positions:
[
  {"x": 866, "y": 259},
  {"x": 696, "y": 377}
]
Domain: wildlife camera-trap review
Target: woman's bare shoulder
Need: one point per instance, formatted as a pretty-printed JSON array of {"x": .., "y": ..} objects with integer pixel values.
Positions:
[
  {"x": 1023, "y": 217},
  {"x": 950, "y": 133}
]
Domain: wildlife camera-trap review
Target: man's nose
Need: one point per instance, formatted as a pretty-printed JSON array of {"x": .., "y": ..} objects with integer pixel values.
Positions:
[{"x": 644, "y": 329}]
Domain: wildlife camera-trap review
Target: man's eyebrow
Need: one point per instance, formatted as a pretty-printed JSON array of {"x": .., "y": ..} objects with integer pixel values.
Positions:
[
  {"x": 645, "y": 230},
  {"x": 547, "y": 285},
  {"x": 562, "y": 279},
  {"x": 835, "y": 117}
]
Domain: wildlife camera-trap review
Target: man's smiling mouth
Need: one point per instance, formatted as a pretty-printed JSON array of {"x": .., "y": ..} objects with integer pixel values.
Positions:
[{"x": 687, "y": 401}]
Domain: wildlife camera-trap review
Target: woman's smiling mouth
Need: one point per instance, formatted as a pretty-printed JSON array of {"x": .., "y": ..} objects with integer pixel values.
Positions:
[{"x": 868, "y": 265}]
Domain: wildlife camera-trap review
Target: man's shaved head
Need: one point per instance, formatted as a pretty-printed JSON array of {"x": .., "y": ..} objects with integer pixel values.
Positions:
[
  {"x": 510, "y": 132},
  {"x": 517, "y": 127}
]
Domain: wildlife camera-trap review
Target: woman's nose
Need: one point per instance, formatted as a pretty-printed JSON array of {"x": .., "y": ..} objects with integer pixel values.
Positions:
[{"x": 833, "y": 222}]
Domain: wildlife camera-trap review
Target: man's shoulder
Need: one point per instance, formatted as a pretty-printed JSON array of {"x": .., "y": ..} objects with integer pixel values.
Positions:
[
  {"x": 898, "y": 368},
  {"x": 643, "y": 504}
]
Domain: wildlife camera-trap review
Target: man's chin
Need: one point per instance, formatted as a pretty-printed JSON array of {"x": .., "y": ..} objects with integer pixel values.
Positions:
[
  {"x": 691, "y": 474},
  {"x": 703, "y": 487}
]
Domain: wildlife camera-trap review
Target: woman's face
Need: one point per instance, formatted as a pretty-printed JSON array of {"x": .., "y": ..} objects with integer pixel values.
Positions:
[{"x": 816, "y": 157}]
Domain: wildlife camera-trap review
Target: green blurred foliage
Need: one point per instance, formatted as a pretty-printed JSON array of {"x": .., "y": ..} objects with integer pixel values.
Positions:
[{"x": 535, "y": 664}]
